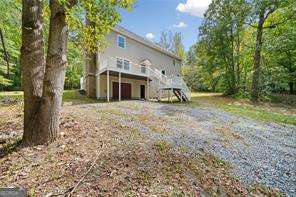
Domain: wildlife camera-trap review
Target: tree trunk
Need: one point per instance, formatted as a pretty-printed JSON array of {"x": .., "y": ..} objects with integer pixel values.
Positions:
[
  {"x": 257, "y": 57},
  {"x": 90, "y": 74},
  {"x": 91, "y": 70},
  {"x": 33, "y": 65},
  {"x": 291, "y": 86},
  {"x": 5, "y": 53},
  {"x": 54, "y": 78}
]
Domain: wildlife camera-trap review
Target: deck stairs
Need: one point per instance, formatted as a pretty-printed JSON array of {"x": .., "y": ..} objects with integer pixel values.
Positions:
[{"x": 176, "y": 84}]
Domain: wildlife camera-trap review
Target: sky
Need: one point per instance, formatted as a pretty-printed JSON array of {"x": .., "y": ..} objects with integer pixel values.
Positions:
[{"x": 149, "y": 18}]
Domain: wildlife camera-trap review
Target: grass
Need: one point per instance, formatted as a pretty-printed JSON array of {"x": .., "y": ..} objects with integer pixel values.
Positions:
[
  {"x": 18, "y": 95},
  {"x": 72, "y": 96},
  {"x": 286, "y": 113},
  {"x": 76, "y": 98},
  {"x": 258, "y": 113},
  {"x": 280, "y": 112}
]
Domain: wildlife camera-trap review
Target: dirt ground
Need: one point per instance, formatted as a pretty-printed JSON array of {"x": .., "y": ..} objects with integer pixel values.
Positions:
[{"x": 131, "y": 149}]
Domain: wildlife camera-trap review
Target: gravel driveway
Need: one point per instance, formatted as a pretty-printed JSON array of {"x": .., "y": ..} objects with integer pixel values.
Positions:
[{"x": 260, "y": 152}]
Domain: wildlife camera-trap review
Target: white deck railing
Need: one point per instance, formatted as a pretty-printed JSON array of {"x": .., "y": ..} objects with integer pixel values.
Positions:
[{"x": 162, "y": 81}]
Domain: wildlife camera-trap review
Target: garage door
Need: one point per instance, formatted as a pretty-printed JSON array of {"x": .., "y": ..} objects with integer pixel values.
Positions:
[{"x": 126, "y": 90}]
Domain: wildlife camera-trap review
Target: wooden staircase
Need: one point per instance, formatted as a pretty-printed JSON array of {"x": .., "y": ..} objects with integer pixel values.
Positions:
[
  {"x": 180, "y": 95},
  {"x": 170, "y": 83}
]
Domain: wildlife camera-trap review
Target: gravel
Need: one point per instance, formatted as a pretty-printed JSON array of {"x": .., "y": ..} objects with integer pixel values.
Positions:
[{"x": 260, "y": 152}]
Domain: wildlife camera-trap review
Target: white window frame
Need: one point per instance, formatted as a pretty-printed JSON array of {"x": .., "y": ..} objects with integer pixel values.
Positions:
[
  {"x": 117, "y": 41},
  {"x": 123, "y": 60},
  {"x": 129, "y": 64},
  {"x": 143, "y": 68}
]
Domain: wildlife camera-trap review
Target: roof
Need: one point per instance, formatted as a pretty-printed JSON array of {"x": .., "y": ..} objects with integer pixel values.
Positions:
[{"x": 146, "y": 42}]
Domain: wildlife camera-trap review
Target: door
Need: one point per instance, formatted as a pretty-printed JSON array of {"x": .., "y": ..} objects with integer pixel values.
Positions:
[
  {"x": 142, "y": 89},
  {"x": 126, "y": 90}
]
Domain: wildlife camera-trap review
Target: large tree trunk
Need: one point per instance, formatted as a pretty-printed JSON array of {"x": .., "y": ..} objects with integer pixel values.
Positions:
[
  {"x": 54, "y": 78},
  {"x": 90, "y": 74},
  {"x": 90, "y": 71},
  {"x": 33, "y": 65},
  {"x": 257, "y": 57}
]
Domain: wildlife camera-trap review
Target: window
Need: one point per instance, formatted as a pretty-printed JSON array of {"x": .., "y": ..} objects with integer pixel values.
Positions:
[
  {"x": 119, "y": 63},
  {"x": 143, "y": 68},
  {"x": 126, "y": 65},
  {"x": 121, "y": 41},
  {"x": 163, "y": 72},
  {"x": 174, "y": 62}
]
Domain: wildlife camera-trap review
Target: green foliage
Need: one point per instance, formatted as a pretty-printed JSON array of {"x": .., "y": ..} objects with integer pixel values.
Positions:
[
  {"x": 10, "y": 24},
  {"x": 75, "y": 66},
  {"x": 103, "y": 15},
  {"x": 222, "y": 59}
]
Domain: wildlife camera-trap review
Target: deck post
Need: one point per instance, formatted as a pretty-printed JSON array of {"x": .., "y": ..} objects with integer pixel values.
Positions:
[
  {"x": 148, "y": 88},
  {"x": 181, "y": 93},
  {"x": 98, "y": 83},
  {"x": 108, "y": 91},
  {"x": 119, "y": 87},
  {"x": 169, "y": 95}
]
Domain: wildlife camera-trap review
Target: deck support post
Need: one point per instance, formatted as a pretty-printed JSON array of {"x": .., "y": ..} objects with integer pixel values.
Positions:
[
  {"x": 181, "y": 93},
  {"x": 170, "y": 97},
  {"x": 148, "y": 89},
  {"x": 108, "y": 91},
  {"x": 119, "y": 88},
  {"x": 98, "y": 83}
]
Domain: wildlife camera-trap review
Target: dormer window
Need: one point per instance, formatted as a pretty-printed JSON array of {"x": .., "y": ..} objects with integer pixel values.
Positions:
[{"x": 121, "y": 41}]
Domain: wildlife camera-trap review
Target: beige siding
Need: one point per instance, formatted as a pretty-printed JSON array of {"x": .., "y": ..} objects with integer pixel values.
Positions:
[
  {"x": 134, "y": 83},
  {"x": 137, "y": 52}
]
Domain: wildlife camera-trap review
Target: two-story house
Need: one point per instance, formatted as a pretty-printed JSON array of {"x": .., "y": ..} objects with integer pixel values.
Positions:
[{"x": 132, "y": 67}]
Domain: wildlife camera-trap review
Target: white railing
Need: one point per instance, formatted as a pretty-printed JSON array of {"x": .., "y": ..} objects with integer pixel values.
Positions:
[
  {"x": 163, "y": 81},
  {"x": 123, "y": 66}
]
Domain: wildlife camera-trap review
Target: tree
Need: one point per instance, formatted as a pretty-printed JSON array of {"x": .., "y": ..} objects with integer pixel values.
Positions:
[
  {"x": 221, "y": 34},
  {"x": 165, "y": 40},
  {"x": 44, "y": 80},
  {"x": 177, "y": 45},
  {"x": 172, "y": 42},
  {"x": 33, "y": 63},
  {"x": 281, "y": 44},
  {"x": 10, "y": 20},
  {"x": 262, "y": 9}
]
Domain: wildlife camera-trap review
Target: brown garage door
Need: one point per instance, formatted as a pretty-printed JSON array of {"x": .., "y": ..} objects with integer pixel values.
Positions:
[{"x": 126, "y": 90}]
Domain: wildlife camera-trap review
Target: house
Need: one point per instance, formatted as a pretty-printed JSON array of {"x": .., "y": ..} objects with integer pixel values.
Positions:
[{"x": 132, "y": 67}]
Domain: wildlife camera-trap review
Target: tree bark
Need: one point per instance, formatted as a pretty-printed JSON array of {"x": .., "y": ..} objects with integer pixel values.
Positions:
[
  {"x": 291, "y": 87},
  {"x": 257, "y": 57},
  {"x": 90, "y": 75},
  {"x": 53, "y": 84},
  {"x": 33, "y": 65},
  {"x": 91, "y": 69},
  {"x": 5, "y": 53}
]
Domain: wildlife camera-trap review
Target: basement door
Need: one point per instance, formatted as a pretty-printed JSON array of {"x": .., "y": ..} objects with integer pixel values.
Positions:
[
  {"x": 142, "y": 89},
  {"x": 126, "y": 90}
]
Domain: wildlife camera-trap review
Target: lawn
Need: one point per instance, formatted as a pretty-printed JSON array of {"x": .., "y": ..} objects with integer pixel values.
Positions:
[
  {"x": 70, "y": 96},
  {"x": 273, "y": 112},
  {"x": 280, "y": 112}
]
